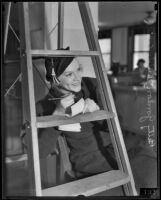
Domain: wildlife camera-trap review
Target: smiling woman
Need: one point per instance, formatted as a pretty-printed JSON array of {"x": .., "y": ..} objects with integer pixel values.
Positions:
[{"x": 88, "y": 154}]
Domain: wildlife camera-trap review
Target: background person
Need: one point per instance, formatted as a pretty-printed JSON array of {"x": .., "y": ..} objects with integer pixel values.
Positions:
[{"x": 141, "y": 69}]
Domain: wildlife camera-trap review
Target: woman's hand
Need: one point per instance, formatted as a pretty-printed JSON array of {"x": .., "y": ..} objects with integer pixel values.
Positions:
[
  {"x": 63, "y": 104},
  {"x": 67, "y": 101},
  {"x": 90, "y": 106}
]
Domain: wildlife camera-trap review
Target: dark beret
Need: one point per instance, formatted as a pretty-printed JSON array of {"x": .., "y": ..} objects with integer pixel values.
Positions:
[{"x": 58, "y": 63}]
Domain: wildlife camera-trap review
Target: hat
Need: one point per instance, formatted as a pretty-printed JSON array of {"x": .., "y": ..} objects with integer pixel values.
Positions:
[{"x": 56, "y": 66}]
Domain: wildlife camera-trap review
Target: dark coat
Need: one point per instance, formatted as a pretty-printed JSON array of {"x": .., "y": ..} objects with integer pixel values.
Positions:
[{"x": 88, "y": 148}]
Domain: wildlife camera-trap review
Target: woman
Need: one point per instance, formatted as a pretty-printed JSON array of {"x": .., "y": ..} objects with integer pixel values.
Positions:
[{"x": 91, "y": 151}]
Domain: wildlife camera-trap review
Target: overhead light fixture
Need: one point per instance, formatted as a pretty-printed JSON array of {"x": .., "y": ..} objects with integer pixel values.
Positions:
[{"x": 150, "y": 19}]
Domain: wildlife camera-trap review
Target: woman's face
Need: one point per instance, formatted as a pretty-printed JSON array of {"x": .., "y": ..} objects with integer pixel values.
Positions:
[
  {"x": 141, "y": 65},
  {"x": 72, "y": 76}
]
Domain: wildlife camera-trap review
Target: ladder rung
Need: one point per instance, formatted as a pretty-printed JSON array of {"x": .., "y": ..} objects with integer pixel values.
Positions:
[
  {"x": 52, "y": 53},
  {"x": 89, "y": 186},
  {"x": 55, "y": 120}
]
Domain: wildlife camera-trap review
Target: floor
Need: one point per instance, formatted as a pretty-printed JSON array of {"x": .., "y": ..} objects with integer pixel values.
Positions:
[{"x": 17, "y": 179}]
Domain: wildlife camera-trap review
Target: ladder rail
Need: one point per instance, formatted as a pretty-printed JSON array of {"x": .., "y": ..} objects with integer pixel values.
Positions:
[
  {"x": 7, "y": 26},
  {"x": 114, "y": 124},
  {"x": 60, "y": 24},
  {"x": 29, "y": 111},
  {"x": 102, "y": 64}
]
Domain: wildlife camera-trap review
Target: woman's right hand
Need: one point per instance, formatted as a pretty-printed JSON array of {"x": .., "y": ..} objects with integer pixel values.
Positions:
[
  {"x": 90, "y": 106},
  {"x": 63, "y": 104},
  {"x": 67, "y": 101}
]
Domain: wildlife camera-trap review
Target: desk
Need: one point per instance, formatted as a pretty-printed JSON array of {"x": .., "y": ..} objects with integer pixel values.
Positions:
[{"x": 136, "y": 108}]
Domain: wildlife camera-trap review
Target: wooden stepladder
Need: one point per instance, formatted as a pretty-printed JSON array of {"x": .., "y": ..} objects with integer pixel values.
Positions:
[{"x": 94, "y": 184}]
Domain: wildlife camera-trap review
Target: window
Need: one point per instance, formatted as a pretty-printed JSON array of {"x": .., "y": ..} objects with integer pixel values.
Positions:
[
  {"x": 104, "y": 38},
  {"x": 142, "y": 44},
  {"x": 105, "y": 45},
  {"x": 141, "y": 49}
]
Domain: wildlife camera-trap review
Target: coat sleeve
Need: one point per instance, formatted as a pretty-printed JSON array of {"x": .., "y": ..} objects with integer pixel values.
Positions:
[
  {"x": 47, "y": 137},
  {"x": 45, "y": 107},
  {"x": 93, "y": 89}
]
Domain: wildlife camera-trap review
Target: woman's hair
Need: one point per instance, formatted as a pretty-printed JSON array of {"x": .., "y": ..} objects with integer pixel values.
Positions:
[
  {"x": 140, "y": 61},
  {"x": 56, "y": 64}
]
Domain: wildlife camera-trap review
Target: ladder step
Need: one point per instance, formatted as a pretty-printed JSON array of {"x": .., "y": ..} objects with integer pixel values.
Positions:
[
  {"x": 89, "y": 186},
  {"x": 52, "y": 53},
  {"x": 57, "y": 120}
]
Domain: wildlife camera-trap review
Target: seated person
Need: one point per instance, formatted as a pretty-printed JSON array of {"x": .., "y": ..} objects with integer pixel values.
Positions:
[
  {"x": 89, "y": 154},
  {"x": 141, "y": 69}
]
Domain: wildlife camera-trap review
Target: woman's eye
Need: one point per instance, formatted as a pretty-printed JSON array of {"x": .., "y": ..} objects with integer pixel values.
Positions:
[{"x": 68, "y": 75}]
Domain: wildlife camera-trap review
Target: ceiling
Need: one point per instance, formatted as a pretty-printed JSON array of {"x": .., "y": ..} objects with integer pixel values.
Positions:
[
  {"x": 112, "y": 14},
  {"x": 116, "y": 14}
]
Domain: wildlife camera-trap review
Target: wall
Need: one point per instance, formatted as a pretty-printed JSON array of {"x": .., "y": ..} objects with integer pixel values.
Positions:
[
  {"x": 74, "y": 34},
  {"x": 43, "y": 24},
  {"x": 119, "y": 45}
]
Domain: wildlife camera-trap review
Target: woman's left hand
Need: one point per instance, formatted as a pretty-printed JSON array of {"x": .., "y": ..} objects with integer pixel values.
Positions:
[{"x": 90, "y": 106}]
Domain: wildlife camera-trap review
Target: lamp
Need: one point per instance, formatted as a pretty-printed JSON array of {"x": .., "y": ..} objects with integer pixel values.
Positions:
[{"x": 150, "y": 19}]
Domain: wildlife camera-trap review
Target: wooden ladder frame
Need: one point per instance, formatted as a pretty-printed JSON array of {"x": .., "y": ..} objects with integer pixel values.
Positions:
[
  {"x": 33, "y": 122},
  {"x": 7, "y": 17},
  {"x": 114, "y": 125}
]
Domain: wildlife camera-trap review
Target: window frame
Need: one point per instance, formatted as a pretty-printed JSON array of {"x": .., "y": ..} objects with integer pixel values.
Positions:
[
  {"x": 140, "y": 51},
  {"x": 106, "y": 34},
  {"x": 139, "y": 30}
]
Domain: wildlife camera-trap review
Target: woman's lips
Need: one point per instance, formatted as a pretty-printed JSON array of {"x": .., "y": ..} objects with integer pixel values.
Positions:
[{"x": 76, "y": 84}]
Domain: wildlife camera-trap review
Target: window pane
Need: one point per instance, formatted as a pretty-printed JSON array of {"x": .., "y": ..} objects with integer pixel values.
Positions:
[
  {"x": 137, "y": 56},
  {"x": 107, "y": 61},
  {"x": 141, "y": 42},
  {"x": 105, "y": 45}
]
